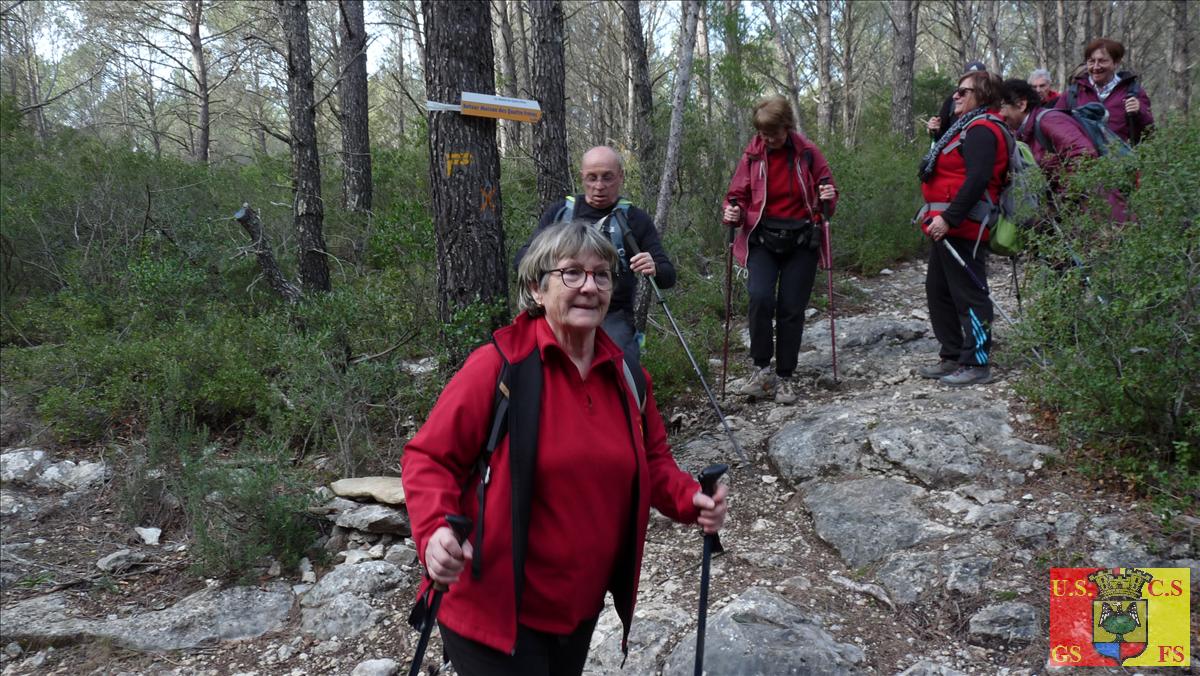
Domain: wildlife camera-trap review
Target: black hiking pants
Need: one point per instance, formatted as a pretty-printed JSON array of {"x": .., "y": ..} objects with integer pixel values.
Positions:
[
  {"x": 537, "y": 653},
  {"x": 779, "y": 287},
  {"x": 961, "y": 312}
]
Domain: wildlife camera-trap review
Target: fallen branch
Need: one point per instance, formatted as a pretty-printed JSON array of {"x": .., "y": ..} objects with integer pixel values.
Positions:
[
  {"x": 872, "y": 590},
  {"x": 266, "y": 258}
]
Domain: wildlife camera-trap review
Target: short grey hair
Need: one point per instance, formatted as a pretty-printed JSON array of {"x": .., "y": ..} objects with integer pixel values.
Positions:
[
  {"x": 563, "y": 240},
  {"x": 1039, "y": 73}
]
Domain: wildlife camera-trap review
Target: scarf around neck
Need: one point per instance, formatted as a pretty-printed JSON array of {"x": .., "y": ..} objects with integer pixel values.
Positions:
[{"x": 925, "y": 172}]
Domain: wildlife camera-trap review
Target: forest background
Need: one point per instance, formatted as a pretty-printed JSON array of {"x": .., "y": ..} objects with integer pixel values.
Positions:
[{"x": 228, "y": 358}]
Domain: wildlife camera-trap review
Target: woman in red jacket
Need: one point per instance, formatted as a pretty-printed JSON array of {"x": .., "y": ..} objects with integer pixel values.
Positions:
[
  {"x": 1120, "y": 92},
  {"x": 961, "y": 178},
  {"x": 778, "y": 185},
  {"x": 566, "y": 509}
]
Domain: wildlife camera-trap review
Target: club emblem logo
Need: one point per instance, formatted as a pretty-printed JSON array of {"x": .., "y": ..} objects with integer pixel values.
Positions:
[{"x": 1119, "y": 616}]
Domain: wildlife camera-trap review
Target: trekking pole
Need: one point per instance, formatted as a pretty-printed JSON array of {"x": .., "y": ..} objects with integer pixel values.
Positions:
[
  {"x": 1135, "y": 132},
  {"x": 978, "y": 282},
  {"x": 712, "y": 545},
  {"x": 728, "y": 299},
  {"x": 825, "y": 234},
  {"x": 422, "y": 615},
  {"x": 632, "y": 247}
]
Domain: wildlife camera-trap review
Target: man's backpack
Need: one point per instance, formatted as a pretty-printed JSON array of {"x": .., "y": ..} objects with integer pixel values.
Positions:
[{"x": 614, "y": 231}]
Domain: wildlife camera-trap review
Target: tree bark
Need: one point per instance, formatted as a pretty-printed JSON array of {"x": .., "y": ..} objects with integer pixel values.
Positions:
[
  {"x": 991, "y": 18},
  {"x": 1181, "y": 66},
  {"x": 1060, "y": 18},
  {"x": 787, "y": 56},
  {"x": 266, "y": 258},
  {"x": 642, "y": 130},
  {"x": 683, "y": 84},
  {"x": 706, "y": 55},
  {"x": 508, "y": 73},
  {"x": 464, "y": 170},
  {"x": 352, "y": 97},
  {"x": 549, "y": 82},
  {"x": 307, "y": 206},
  {"x": 527, "y": 48},
  {"x": 904, "y": 52},
  {"x": 194, "y": 11},
  {"x": 824, "y": 69},
  {"x": 1041, "y": 53},
  {"x": 849, "y": 44}
]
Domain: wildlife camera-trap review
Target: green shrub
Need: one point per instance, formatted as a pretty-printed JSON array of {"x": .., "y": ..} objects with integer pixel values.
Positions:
[{"x": 1121, "y": 335}]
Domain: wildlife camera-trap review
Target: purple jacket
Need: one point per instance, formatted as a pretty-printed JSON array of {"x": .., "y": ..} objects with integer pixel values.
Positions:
[
  {"x": 1115, "y": 103},
  {"x": 1064, "y": 136}
]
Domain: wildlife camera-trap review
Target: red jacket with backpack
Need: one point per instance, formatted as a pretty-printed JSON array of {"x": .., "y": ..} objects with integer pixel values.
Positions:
[
  {"x": 749, "y": 187},
  {"x": 950, "y": 173},
  {"x": 567, "y": 497}
]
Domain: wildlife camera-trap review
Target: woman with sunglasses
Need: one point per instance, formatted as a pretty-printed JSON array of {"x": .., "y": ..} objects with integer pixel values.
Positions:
[
  {"x": 961, "y": 178},
  {"x": 598, "y": 463},
  {"x": 774, "y": 199}
]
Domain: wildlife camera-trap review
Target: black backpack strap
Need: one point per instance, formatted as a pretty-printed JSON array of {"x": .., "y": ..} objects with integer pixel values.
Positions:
[
  {"x": 1042, "y": 139},
  {"x": 635, "y": 378},
  {"x": 523, "y": 418},
  {"x": 483, "y": 465},
  {"x": 1072, "y": 94}
]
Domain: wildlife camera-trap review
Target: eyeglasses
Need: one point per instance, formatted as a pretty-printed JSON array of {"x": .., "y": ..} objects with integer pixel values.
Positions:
[
  {"x": 574, "y": 278},
  {"x": 962, "y": 91}
]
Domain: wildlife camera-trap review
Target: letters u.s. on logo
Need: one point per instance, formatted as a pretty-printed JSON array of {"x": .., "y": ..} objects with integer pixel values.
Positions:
[{"x": 1130, "y": 617}]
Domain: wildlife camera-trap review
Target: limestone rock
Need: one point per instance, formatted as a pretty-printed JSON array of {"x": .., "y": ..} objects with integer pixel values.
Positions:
[
  {"x": 384, "y": 489},
  {"x": 384, "y": 667},
  {"x": 22, "y": 465},
  {"x": 148, "y": 535},
  {"x": 369, "y": 577},
  {"x": 343, "y": 615},
  {"x": 375, "y": 519},
  {"x": 928, "y": 668},
  {"x": 67, "y": 474},
  {"x": 760, "y": 632},
  {"x": 867, "y": 519},
  {"x": 120, "y": 560},
  {"x": 1010, "y": 622},
  {"x": 654, "y": 627}
]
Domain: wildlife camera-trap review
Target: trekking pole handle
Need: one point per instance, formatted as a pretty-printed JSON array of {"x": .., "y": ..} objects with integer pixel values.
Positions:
[
  {"x": 709, "y": 476},
  {"x": 461, "y": 526},
  {"x": 824, "y": 204},
  {"x": 733, "y": 202}
]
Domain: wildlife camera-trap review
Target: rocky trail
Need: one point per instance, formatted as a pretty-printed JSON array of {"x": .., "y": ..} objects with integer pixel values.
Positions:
[{"x": 886, "y": 524}]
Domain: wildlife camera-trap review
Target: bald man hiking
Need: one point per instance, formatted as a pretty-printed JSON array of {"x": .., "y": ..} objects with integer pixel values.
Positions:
[{"x": 603, "y": 175}]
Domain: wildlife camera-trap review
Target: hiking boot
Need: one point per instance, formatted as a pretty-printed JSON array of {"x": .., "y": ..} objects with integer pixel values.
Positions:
[
  {"x": 785, "y": 391},
  {"x": 969, "y": 375},
  {"x": 944, "y": 367},
  {"x": 761, "y": 384}
]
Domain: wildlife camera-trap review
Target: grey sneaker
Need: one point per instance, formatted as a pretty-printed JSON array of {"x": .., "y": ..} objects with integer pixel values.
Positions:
[
  {"x": 761, "y": 384},
  {"x": 944, "y": 367},
  {"x": 785, "y": 391},
  {"x": 969, "y": 375}
]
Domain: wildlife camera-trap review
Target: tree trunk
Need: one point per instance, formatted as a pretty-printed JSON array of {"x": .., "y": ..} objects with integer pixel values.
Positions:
[
  {"x": 1041, "y": 54},
  {"x": 307, "y": 207},
  {"x": 785, "y": 53},
  {"x": 402, "y": 78},
  {"x": 1060, "y": 18},
  {"x": 849, "y": 40},
  {"x": 1181, "y": 66},
  {"x": 683, "y": 83},
  {"x": 549, "y": 81},
  {"x": 732, "y": 76},
  {"x": 464, "y": 170},
  {"x": 508, "y": 72},
  {"x": 527, "y": 48},
  {"x": 418, "y": 33},
  {"x": 991, "y": 18},
  {"x": 194, "y": 11},
  {"x": 904, "y": 52},
  {"x": 824, "y": 69},
  {"x": 352, "y": 97},
  {"x": 643, "y": 106}
]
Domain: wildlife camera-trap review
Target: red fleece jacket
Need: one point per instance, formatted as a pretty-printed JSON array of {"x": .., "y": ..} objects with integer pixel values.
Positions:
[{"x": 594, "y": 484}]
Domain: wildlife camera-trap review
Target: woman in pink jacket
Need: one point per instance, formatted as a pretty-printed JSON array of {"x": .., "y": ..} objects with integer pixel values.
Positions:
[
  {"x": 774, "y": 200},
  {"x": 1119, "y": 91}
]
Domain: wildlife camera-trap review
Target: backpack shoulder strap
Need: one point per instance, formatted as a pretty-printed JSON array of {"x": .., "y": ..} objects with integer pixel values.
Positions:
[
  {"x": 567, "y": 213},
  {"x": 497, "y": 429},
  {"x": 1072, "y": 94},
  {"x": 636, "y": 380},
  {"x": 1041, "y": 138}
]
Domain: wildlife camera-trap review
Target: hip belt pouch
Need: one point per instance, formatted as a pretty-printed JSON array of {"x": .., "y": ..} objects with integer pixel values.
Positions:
[{"x": 780, "y": 236}]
